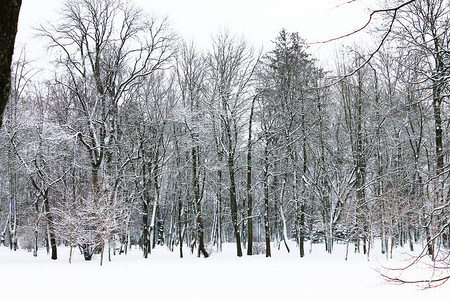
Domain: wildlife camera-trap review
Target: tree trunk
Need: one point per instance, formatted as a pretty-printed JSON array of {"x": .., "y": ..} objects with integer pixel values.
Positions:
[
  {"x": 266, "y": 200},
  {"x": 283, "y": 222},
  {"x": 101, "y": 255},
  {"x": 219, "y": 213},
  {"x": 197, "y": 200},
  {"x": 51, "y": 233},
  {"x": 9, "y": 16},
  {"x": 302, "y": 229},
  {"x": 360, "y": 169},
  {"x": 88, "y": 251},
  {"x": 152, "y": 230},
  {"x": 180, "y": 225},
  {"x": 233, "y": 205},
  {"x": 438, "y": 143},
  {"x": 145, "y": 232},
  {"x": 304, "y": 170},
  {"x": 219, "y": 236},
  {"x": 249, "y": 183},
  {"x": 297, "y": 212}
]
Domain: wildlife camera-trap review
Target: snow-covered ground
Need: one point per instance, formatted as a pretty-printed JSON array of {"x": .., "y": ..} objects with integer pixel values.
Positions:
[{"x": 222, "y": 276}]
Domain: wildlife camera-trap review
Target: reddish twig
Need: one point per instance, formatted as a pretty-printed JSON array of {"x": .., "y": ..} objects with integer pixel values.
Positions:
[{"x": 395, "y": 9}]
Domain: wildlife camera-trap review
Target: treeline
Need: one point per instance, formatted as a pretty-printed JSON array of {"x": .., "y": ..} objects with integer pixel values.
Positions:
[{"x": 139, "y": 138}]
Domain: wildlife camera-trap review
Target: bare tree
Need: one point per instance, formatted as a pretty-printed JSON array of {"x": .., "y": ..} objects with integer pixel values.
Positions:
[
  {"x": 231, "y": 66},
  {"x": 424, "y": 28},
  {"x": 105, "y": 47},
  {"x": 191, "y": 74}
]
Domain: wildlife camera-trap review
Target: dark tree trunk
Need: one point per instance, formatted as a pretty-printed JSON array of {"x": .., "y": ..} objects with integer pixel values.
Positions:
[
  {"x": 88, "y": 251},
  {"x": 145, "y": 235},
  {"x": 438, "y": 138},
  {"x": 155, "y": 225},
  {"x": 95, "y": 180},
  {"x": 219, "y": 210},
  {"x": 9, "y": 16},
  {"x": 302, "y": 229},
  {"x": 232, "y": 190},
  {"x": 219, "y": 235},
  {"x": 304, "y": 170},
  {"x": 233, "y": 205},
  {"x": 51, "y": 233},
  {"x": 249, "y": 183},
  {"x": 145, "y": 232},
  {"x": 438, "y": 85},
  {"x": 198, "y": 199},
  {"x": 180, "y": 222},
  {"x": 266, "y": 200},
  {"x": 180, "y": 225}
]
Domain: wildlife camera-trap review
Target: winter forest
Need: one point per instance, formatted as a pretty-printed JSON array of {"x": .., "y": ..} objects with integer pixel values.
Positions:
[{"x": 136, "y": 138}]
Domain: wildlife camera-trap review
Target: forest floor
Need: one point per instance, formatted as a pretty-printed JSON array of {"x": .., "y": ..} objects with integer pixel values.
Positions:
[{"x": 163, "y": 275}]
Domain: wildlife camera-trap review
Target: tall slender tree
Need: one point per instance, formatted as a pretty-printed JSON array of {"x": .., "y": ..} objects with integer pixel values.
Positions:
[{"x": 231, "y": 67}]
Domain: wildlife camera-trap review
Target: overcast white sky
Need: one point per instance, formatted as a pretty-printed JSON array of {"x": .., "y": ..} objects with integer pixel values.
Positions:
[{"x": 257, "y": 20}]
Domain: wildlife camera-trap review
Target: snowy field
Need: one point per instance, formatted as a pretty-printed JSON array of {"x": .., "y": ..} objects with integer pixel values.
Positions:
[{"x": 222, "y": 276}]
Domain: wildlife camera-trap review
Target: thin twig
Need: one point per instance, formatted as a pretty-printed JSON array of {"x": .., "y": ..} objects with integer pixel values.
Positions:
[{"x": 395, "y": 9}]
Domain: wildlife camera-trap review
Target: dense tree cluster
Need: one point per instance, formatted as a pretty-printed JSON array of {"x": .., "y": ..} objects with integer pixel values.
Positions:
[{"x": 140, "y": 139}]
